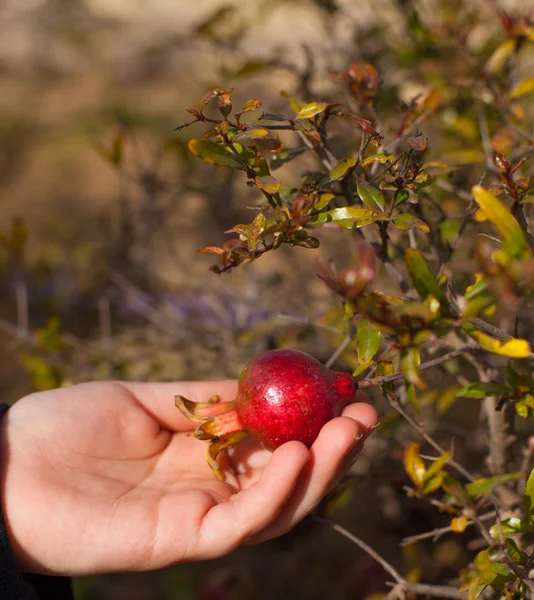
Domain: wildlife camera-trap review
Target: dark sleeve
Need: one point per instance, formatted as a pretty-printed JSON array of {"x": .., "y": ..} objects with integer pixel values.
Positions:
[{"x": 14, "y": 585}]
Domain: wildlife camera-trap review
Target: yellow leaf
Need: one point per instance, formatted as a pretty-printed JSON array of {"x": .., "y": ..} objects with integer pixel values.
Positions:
[
  {"x": 480, "y": 216},
  {"x": 522, "y": 88},
  {"x": 414, "y": 464},
  {"x": 514, "y": 348},
  {"x": 309, "y": 111},
  {"x": 458, "y": 524},
  {"x": 499, "y": 214},
  {"x": 499, "y": 57}
]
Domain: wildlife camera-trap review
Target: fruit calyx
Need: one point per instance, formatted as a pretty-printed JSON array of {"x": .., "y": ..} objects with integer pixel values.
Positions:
[{"x": 218, "y": 423}]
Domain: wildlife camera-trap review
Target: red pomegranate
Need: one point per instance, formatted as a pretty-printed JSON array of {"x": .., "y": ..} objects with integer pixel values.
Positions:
[{"x": 282, "y": 395}]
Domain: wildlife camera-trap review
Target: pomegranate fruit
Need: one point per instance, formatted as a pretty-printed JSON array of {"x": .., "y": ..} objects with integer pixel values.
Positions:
[{"x": 282, "y": 395}]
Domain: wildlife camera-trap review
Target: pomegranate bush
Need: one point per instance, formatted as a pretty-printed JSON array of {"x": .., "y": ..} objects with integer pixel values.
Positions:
[{"x": 431, "y": 198}]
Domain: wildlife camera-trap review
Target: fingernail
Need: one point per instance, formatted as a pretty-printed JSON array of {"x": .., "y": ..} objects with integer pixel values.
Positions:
[{"x": 373, "y": 427}]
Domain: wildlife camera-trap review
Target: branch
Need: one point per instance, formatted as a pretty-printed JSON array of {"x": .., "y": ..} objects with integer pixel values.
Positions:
[
  {"x": 374, "y": 381},
  {"x": 437, "y": 591},
  {"x": 435, "y": 534}
]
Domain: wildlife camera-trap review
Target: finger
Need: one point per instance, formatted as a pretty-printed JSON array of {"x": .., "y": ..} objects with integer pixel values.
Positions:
[
  {"x": 363, "y": 413},
  {"x": 229, "y": 525},
  {"x": 338, "y": 438},
  {"x": 158, "y": 398}
]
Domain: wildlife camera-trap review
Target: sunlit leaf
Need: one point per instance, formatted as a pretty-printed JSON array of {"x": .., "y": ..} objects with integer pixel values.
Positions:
[
  {"x": 371, "y": 196},
  {"x": 347, "y": 217},
  {"x": 251, "y": 105},
  {"x": 380, "y": 158},
  {"x": 340, "y": 170},
  {"x": 368, "y": 340},
  {"x": 268, "y": 184},
  {"x": 511, "y": 526},
  {"x": 522, "y": 88},
  {"x": 407, "y": 221},
  {"x": 215, "y": 154},
  {"x": 414, "y": 464},
  {"x": 323, "y": 200},
  {"x": 438, "y": 464},
  {"x": 308, "y": 111},
  {"x": 482, "y": 390},
  {"x": 410, "y": 361},
  {"x": 514, "y": 240},
  {"x": 514, "y": 348},
  {"x": 481, "y": 487},
  {"x": 257, "y": 229},
  {"x": 458, "y": 524},
  {"x": 411, "y": 397},
  {"x": 500, "y": 55}
]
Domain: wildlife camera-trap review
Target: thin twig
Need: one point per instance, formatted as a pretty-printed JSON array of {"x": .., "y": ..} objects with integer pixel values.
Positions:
[
  {"x": 374, "y": 381},
  {"x": 338, "y": 352},
  {"x": 436, "y": 591},
  {"x": 435, "y": 534},
  {"x": 429, "y": 440}
]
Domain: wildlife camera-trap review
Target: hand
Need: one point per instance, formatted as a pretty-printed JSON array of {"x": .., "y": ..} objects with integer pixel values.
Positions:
[{"x": 106, "y": 477}]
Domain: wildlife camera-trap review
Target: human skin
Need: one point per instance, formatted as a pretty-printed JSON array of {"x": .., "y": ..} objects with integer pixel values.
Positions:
[{"x": 106, "y": 476}]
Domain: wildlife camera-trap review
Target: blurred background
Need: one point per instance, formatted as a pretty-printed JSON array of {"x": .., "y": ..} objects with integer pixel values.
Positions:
[{"x": 102, "y": 209}]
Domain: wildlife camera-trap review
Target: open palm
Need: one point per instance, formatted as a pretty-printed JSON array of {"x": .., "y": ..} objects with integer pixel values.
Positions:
[{"x": 104, "y": 477}]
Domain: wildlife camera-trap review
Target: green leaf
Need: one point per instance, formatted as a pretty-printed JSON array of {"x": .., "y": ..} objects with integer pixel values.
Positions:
[
  {"x": 514, "y": 348},
  {"x": 308, "y": 111},
  {"x": 522, "y": 88},
  {"x": 261, "y": 135},
  {"x": 529, "y": 498},
  {"x": 410, "y": 361},
  {"x": 482, "y": 390},
  {"x": 324, "y": 200},
  {"x": 215, "y": 154},
  {"x": 347, "y": 217},
  {"x": 513, "y": 238},
  {"x": 511, "y": 526},
  {"x": 362, "y": 368},
  {"x": 481, "y": 487},
  {"x": 437, "y": 465},
  {"x": 411, "y": 396},
  {"x": 340, "y": 170},
  {"x": 371, "y": 196},
  {"x": 368, "y": 340},
  {"x": 384, "y": 368},
  {"x": 432, "y": 483},
  {"x": 406, "y": 195},
  {"x": 406, "y": 221},
  {"x": 515, "y": 553},
  {"x": 414, "y": 464},
  {"x": 424, "y": 280}
]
